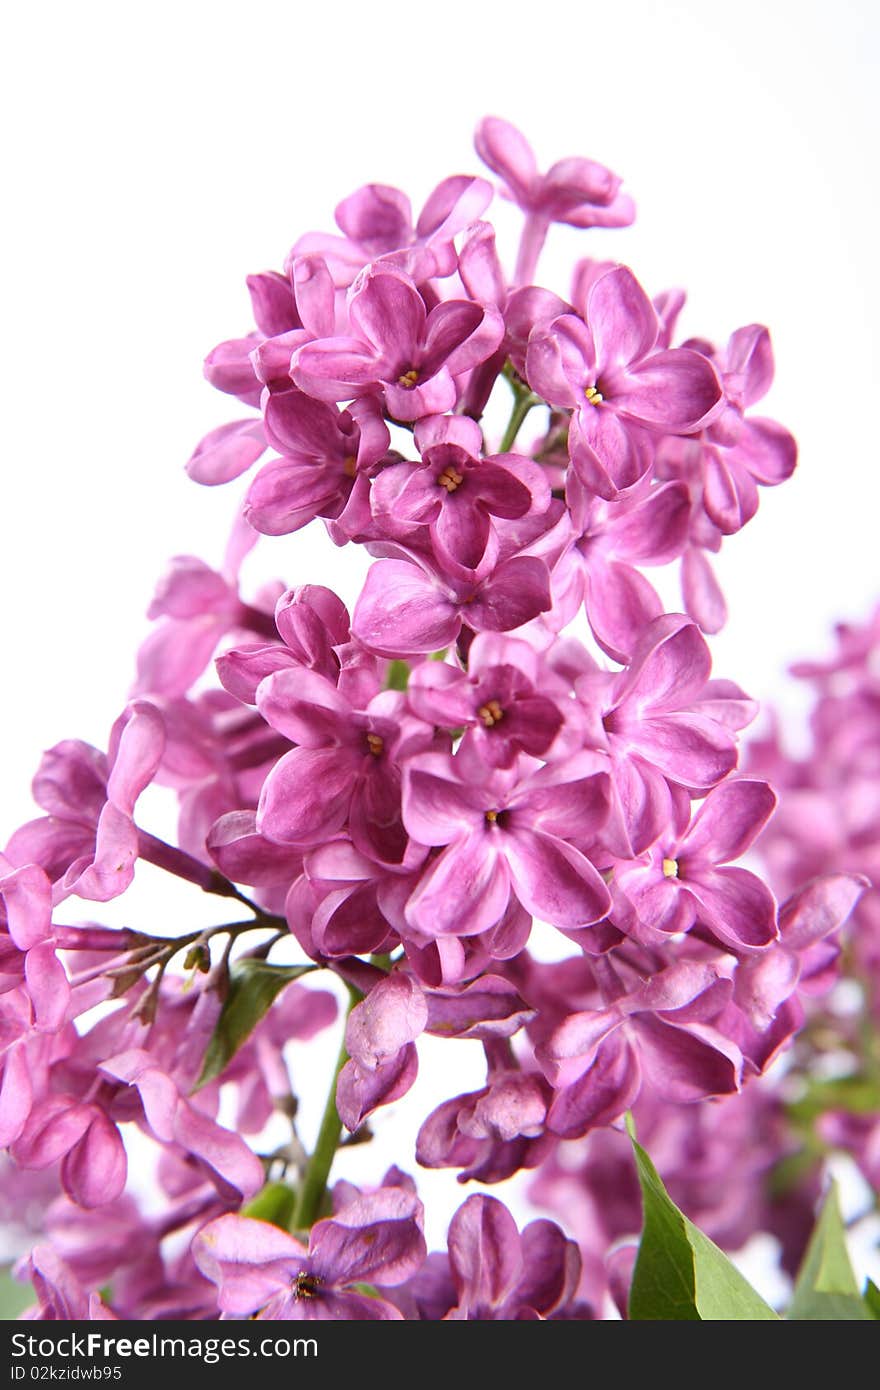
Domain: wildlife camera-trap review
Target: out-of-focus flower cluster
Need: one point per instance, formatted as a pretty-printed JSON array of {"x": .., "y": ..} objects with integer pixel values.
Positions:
[{"x": 403, "y": 790}]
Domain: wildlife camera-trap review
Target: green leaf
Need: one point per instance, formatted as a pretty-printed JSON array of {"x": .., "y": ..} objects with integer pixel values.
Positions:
[
  {"x": 872, "y": 1299},
  {"x": 254, "y": 986},
  {"x": 826, "y": 1287},
  {"x": 680, "y": 1274},
  {"x": 397, "y": 675},
  {"x": 274, "y": 1203},
  {"x": 14, "y": 1297}
]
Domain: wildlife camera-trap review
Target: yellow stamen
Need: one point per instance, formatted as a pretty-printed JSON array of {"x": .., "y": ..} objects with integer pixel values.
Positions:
[
  {"x": 492, "y": 817},
  {"x": 408, "y": 379},
  {"x": 594, "y": 395},
  {"x": 450, "y": 478},
  {"x": 375, "y": 743},
  {"x": 491, "y": 713},
  {"x": 670, "y": 868}
]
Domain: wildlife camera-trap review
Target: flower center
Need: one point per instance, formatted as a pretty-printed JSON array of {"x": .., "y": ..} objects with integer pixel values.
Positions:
[
  {"x": 450, "y": 478},
  {"x": 491, "y": 713},
  {"x": 306, "y": 1286},
  {"x": 492, "y": 817},
  {"x": 408, "y": 379},
  {"x": 594, "y": 395},
  {"x": 670, "y": 868},
  {"x": 375, "y": 743},
  {"x": 349, "y": 467}
]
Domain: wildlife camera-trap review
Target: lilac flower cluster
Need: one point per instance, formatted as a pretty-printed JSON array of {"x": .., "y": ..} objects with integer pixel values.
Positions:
[
  {"x": 755, "y": 1162},
  {"x": 405, "y": 789}
]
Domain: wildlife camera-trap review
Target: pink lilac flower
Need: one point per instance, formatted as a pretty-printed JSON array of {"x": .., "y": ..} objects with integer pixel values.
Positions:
[
  {"x": 608, "y": 369},
  {"x": 344, "y": 771},
  {"x": 497, "y": 700},
  {"x": 685, "y": 880},
  {"x": 327, "y": 457},
  {"x": 88, "y": 842},
  {"x": 380, "y": 1039},
  {"x": 511, "y": 833},
  {"x": 500, "y": 1274},
  {"x": 407, "y": 607},
  {"x": 577, "y": 191},
  {"x": 377, "y": 224},
  {"x": 398, "y": 347},
  {"x": 262, "y": 1271},
  {"x": 455, "y": 492}
]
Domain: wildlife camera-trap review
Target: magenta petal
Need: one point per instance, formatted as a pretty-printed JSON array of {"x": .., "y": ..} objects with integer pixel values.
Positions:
[
  {"x": 226, "y": 452},
  {"x": 273, "y": 303},
  {"x": 437, "y": 806},
  {"x": 763, "y": 982},
  {"x": 393, "y": 1014},
  {"x": 234, "y": 1170},
  {"x": 377, "y": 215},
  {"x": 306, "y": 797},
  {"x": 376, "y": 1239},
  {"x": 334, "y": 369},
  {"x": 620, "y": 602},
  {"x": 388, "y": 312},
  {"x": 48, "y": 986},
  {"x": 361, "y": 1090},
  {"x": 644, "y": 802},
  {"x": 489, "y": 1007},
  {"x": 507, "y": 153},
  {"x": 53, "y": 1127},
  {"x": 687, "y": 1064},
  {"x": 464, "y": 892},
  {"x": 305, "y": 707},
  {"x": 137, "y": 742},
  {"x": 462, "y": 531},
  {"x": 674, "y": 390},
  {"x": 729, "y": 820},
  {"x": 767, "y": 450},
  {"x": 601, "y": 1095},
  {"x": 655, "y": 531},
  {"x": 400, "y": 611},
  {"x": 484, "y": 1253},
  {"x": 819, "y": 908},
  {"x": 16, "y": 1096},
  {"x": 702, "y": 594},
  {"x": 736, "y": 906},
  {"x": 554, "y": 881},
  {"x": 248, "y": 1261},
  {"x": 517, "y": 591},
  {"x": 669, "y": 668},
  {"x": 288, "y": 493},
  {"x": 95, "y": 1169},
  {"x": 621, "y": 317},
  {"x": 552, "y": 1267},
  {"x": 729, "y": 493},
  {"x": 245, "y": 856},
  {"x": 27, "y": 894},
  {"x": 112, "y": 868},
  {"x": 608, "y": 454}
]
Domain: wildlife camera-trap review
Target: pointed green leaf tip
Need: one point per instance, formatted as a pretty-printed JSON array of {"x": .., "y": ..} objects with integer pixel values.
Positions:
[
  {"x": 397, "y": 675},
  {"x": 253, "y": 987},
  {"x": 275, "y": 1203},
  {"x": 826, "y": 1287},
  {"x": 680, "y": 1274}
]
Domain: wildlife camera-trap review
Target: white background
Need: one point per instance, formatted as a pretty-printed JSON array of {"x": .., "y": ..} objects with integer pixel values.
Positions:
[{"x": 157, "y": 154}]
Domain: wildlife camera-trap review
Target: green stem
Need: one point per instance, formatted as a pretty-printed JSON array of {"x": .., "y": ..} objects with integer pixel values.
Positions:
[
  {"x": 523, "y": 402},
  {"x": 314, "y": 1183}
]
